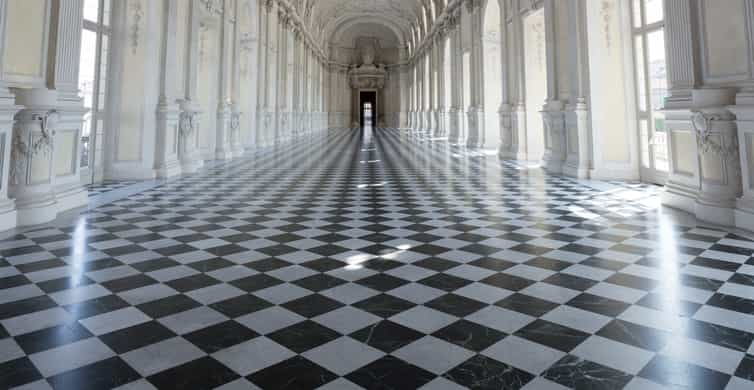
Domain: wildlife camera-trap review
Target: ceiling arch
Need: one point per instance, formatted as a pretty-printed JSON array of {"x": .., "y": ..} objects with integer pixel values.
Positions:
[{"x": 378, "y": 26}]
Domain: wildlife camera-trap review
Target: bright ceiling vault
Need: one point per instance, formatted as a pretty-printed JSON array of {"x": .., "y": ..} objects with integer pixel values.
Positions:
[{"x": 329, "y": 18}]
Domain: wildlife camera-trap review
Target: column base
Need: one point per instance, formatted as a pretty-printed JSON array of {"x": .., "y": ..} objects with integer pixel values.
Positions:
[
  {"x": 575, "y": 171},
  {"x": 744, "y": 215},
  {"x": 37, "y": 212},
  {"x": 72, "y": 199},
  {"x": 169, "y": 170},
  {"x": 191, "y": 166},
  {"x": 679, "y": 197},
  {"x": 8, "y": 215}
]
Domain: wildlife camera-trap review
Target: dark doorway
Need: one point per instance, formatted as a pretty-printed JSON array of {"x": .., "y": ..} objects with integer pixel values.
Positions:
[{"x": 368, "y": 108}]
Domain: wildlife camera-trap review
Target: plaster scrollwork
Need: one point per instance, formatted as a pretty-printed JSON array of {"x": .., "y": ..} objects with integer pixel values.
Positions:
[
  {"x": 710, "y": 141},
  {"x": 235, "y": 121},
  {"x": 188, "y": 123},
  {"x": 213, "y": 7},
  {"x": 606, "y": 12},
  {"x": 22, "y": 151},
  {"x": 137, "y": 14}
]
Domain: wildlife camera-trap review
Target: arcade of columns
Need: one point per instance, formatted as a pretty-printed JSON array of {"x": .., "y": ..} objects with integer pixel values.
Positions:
[{"x": 196, "y": 80}]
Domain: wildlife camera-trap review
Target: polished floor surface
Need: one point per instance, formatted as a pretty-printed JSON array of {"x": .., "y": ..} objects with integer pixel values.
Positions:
[{"x": 377, "y": 260}]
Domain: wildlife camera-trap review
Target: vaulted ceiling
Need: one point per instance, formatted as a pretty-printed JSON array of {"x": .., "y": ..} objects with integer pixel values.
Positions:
[{"x": 331, "y": 19}]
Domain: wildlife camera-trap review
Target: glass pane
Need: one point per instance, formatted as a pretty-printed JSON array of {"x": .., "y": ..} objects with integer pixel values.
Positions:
[
  {"x": 660, "y": 151},
  {"x": 91, "y": 10},
  {"x": 636, "y": 13},
  {"x": 641, "y": 78},
  {"x": 644, "y": 143},
  {"x": 88, "y": 64},
  {"x": 103, "y": 73},
  {"x": 658, "y": 79},
  {"x": 106, "y": 13},
  {"x": 653, "y": 11}
]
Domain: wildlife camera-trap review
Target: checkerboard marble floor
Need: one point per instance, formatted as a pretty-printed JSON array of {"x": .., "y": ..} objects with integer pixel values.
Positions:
[{"x": 377, "y": 260}]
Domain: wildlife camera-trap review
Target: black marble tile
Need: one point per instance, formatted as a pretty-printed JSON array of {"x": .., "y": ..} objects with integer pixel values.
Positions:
[
  {"x": 508, "y": 282},
  {"x": 571, "y": 281},
  {"x": 210, "y": 265},
  {"x": 455, "y": 305},
  {"x": 319, "y": 282},
  {"x": 52, "y": 337},
  {"x": 470, "y": 335},
  {"x": 632, "y": 334},
  {"x": 382, "y": 282},
  {"x": 436, "y": 264},
  {"x": 731, "y": 302},
  {"x": 303, "y": 336},
  {"x": 445, "y": 282},
  {"x": 527, "y": 304},
  {"x": 598, "y": 304},
  {"x": 25, "y": 306},
  {"x": 106, "y": 374},
  {"x": 155, "y": 264},
  {"x": 168, "y": 306},
  {"x": 128, "y": 283},
  {"x": 220, "y": 336},
  {"x": 18, "y": 372},
  {"x": 313, "y": 305},
  {"x": 193, "y": 282},
  {"x": 390, "y": 373},
  {"x": 201, "y": 374},
  {"x": 294, "y": 373},
  {"x": 719, "y": 335},
  {"x": 552, "y": 335},
  {"x": 256, "y": 282},
  {"x": 745, "y": 370},
  {"x": 384, "y": 305},
  {"x": 577, "y": 373},
  {"x": 681, "y": 375},
  {"x": 484, "y": 373},
  {"x": 241, "y": 305},
  {"x": 137, "y": 336},
  {"x": 267, "y": 265},
  {"x": 386, "y": 336}
]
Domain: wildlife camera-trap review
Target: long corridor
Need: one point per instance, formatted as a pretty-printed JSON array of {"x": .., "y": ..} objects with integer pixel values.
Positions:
[{"x": 377, "y": 260}]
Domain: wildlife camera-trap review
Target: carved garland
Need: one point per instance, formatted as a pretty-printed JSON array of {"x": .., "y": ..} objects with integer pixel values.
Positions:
[
  {"x": 138, "y": 14},
  {"x": 707, "y": 144},
  {"x": 188, "y": 123},
  {"x": 21, "y": 151}
]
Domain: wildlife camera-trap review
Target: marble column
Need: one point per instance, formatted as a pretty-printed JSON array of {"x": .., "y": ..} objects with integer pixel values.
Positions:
[
  {"x": 683, "y": 183},
  {"x": 282, "y": 71},
  {"x": 744, "y": 112},
  {"x": 442, "y": 104},
  {"x": 719, "y": 161},
  {"x": 8, "y": 110},
  {"x": 458, "y": 111},
  {"x": 191, "y": 111},
  {"x": 167, "y": 163},
  {"x": 236, "y": 112},
  {"x": 553, "y": 112},
  {"x": 262, "y": 108},
  {"x": 506, "y": 149},
  {"x": 270, "y": 73},
  {"x": 296, "y": 93},
  {"x": 223, "y": 119},
  {"x": 432, "y": 103},
  {"x": 63, "y": 60},
  {"x": 32, "y": 172},
  {"x": 475, "y": 120}
]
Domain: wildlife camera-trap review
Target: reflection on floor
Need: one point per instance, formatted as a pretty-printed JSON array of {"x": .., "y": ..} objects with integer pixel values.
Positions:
[{"x": 373, "y": 259}]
